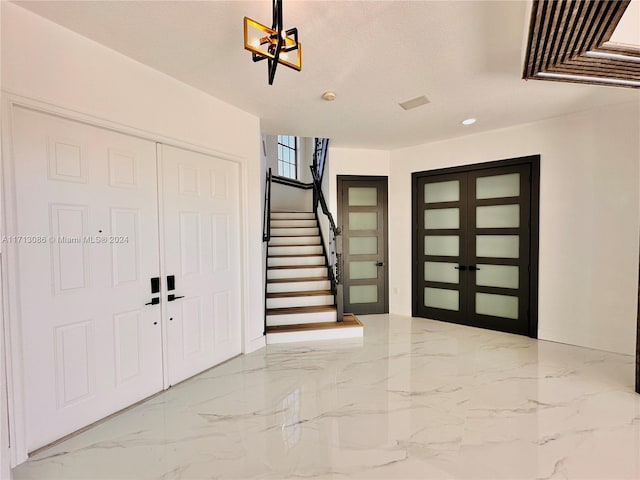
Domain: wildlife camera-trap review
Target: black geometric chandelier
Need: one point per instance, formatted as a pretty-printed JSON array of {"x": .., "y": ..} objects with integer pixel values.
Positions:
[{"x": 273, "y": 44}]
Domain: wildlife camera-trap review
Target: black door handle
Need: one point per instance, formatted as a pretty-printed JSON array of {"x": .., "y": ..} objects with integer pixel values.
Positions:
[
  {"x": 473, "y": 268},
  {"x": 173, "y": 297},
  {"x": 155, "y": 284},
  {"x": 379, "y": 264},
  {"x": 460, "y": 267},
  {"x": 154, "y": 301}
]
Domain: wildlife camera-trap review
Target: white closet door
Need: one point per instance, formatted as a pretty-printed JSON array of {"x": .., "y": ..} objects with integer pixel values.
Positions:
[
  {"x": 86, "y": 241},
  {"x": 201, "y": 206}
]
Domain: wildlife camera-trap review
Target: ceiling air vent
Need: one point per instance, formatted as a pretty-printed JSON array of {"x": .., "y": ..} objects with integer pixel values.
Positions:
[{"x": 414, "y": 102}]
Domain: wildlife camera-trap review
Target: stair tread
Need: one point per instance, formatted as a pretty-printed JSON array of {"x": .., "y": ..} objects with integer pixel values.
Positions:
[
  {"x": 306, "y": 279},
  {"x": 291, "y": 267},
  {"x": 297, "y": 245},
  {"x": 297, "y": 255},
  {"x": 289, "y": 235},
  {"x": 305, "y": 293},
  {"x": 298, "y": 310},
  {"x": 349, "y": 321}
]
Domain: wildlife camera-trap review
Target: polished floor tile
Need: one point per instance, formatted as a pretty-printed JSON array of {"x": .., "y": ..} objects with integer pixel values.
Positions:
[{"x": 413, "y": 399}]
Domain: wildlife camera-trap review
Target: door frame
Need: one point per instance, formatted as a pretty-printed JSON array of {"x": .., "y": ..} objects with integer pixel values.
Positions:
[
  {"x": 340, "y": 181},
  {"x": 534, "y": 162},
  {"x": 8, "y": 269}
]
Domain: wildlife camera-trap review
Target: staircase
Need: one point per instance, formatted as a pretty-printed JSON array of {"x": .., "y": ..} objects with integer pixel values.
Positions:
[{"x": 300, "y": 303}]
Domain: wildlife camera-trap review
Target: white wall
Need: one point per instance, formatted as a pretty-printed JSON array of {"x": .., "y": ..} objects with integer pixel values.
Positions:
[
  {"x": 54, "y": 66},
  {"x": 589, "y": 218},
  {"x": 353, "y": 161}
]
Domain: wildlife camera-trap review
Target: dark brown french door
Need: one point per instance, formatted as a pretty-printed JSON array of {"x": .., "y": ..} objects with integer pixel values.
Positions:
[
  {"x": 475, "y": 245},
  {"x": 362, "y": 215}
]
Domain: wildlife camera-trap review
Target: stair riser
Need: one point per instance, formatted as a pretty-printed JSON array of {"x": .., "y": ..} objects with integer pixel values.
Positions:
[
  {"x": 294, "y": 261},
  {"x": 311, "y": 335},
  {"x": 293, "y": 223},
  {"x": 296, "y": 250},
  {"x": 275, "y": 241},
  {"x": 298, "y": 286},
  {"x": 301, "y": 318},
  {"x": 293, "y": 232},
  {"x": 292, "y": 216},
  {"x": 306, "y": 301},
  {"x": 297, "y": 273}
]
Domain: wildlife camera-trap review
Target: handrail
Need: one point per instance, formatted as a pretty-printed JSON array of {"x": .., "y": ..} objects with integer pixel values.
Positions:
[
  {"x": 266, "y": 225},
  {"x": 291, "y": 182},
  {"x": 320, "y": 156},
  {"x": 266, "y": 236},
  {"x": 319, "y": 198}
]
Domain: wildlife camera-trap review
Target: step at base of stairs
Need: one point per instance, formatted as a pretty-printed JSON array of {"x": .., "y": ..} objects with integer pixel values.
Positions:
[{"x": 349, "y": 328}]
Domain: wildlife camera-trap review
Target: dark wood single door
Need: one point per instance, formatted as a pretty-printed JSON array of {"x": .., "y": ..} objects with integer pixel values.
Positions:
[
  {"x": 362, "y": 215},
  {"x": 472, "y": 247}
]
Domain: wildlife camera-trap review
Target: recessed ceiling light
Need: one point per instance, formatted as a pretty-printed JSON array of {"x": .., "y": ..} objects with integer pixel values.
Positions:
[
  {"x": 469, "y": 121},
  {"x": 329, "y": 96},
  {"x": 414, "y": 102}
]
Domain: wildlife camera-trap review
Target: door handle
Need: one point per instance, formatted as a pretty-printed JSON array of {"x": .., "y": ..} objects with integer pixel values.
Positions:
[
  {"x": 154, "y": 301},
  {"x": 473, "y": 268},
  {"x": 171, "y": 297},
  {"x": 460, "y": 267},
  {"x": 379, "y": 264},
  {"x": 155, "y": 284}
]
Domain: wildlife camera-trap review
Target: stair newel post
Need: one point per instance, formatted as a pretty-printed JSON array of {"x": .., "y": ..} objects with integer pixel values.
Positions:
[{"x": 338, "y": 273}]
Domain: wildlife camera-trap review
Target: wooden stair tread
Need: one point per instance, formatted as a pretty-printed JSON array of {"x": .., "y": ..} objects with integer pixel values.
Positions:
[
  {"x": 306, "y": 293},
  {"x": 291, "y": 267},
  {"x": 298, "y": 310},
  {"x": 295, "y": 245},
  {"x": 307, "y": 279},
  {"x": 297, "y": 255},
  {"x": 349, "y": 321},
  {"x": 291, "y": 235}
]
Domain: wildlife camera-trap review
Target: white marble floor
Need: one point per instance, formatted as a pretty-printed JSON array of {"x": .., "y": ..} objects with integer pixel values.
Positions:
[{"x": 414, "y": 399}]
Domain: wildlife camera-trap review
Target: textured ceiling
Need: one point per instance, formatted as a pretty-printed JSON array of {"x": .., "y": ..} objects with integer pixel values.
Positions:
[{"x": 466, "y": 57}]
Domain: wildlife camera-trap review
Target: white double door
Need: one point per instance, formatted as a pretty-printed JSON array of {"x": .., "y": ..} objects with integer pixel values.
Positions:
[{"x": 96, "y": 216}]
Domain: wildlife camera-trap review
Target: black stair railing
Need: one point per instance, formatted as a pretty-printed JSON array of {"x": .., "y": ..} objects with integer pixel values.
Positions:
[
  {"x": 266, "y": 223},
  {"x": 266, "y": 236},
  {"x": 333, "y": 252}
]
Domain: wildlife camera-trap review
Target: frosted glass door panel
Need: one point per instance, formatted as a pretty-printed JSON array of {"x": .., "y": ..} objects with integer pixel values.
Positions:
[
  {"x": 497, "y": 305},
  {"x": 498, "y": 186},
  {"x": 441, "y": 298},
  {"x": 363, "y": 245},
  {"x": 503, "y": 276},
  {"x": 363, "y": 196},
  {"x": 363, "y": 294},
  {"x": 442, "y": 192},
  {"x": 442, "y": 245},
  {"x": 363, "y": 221},
  {"x": 359, "y": 270},
  {"x": 498, "y": 216},
  {"x": 497, "y": 246},
  {"x": 442, "y": 218},
  {"x": 441, "y": 272}
]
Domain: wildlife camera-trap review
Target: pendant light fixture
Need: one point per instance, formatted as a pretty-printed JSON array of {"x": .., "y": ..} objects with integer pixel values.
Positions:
[{"x": 273, "y": 44}]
